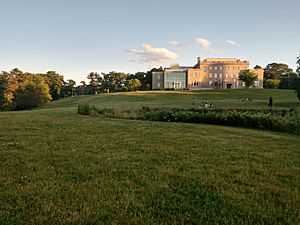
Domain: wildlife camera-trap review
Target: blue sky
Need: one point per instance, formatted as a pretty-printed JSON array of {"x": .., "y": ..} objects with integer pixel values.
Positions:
[{"x": 75, "y": 37}]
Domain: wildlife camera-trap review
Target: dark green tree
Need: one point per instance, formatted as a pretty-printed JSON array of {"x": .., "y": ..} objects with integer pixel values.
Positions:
[
  {"x": 276, "y": 71},
  {"x": 113, "y": 81},
  {"x": 95, "y": 80},
  {"x": 69, "y": 88},
  {"x": 248, "y": 78},
  {"x": 257, "y": 67},
  {"x": 55, "y": 83},
  {"x": 82, "y": 87},
  {"x": 134, "y": 84},
  {"x": 288, "y": 81},
  {"x": 33, "y": 92},
  {"x": 271, "y": 83},
  {"x": 144, "y": 78},
  {"x": 3, "y": 88},
  {"x": 297, "y": 79}
]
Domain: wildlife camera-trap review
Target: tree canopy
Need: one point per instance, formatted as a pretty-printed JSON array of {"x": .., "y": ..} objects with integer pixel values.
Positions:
[
  {"x": 248, "y": 78},
  {"x": 55, "y": 83},
  {"x": 32, "y": 93},
  {"x": 297, "y": 83},
  {"x": 276, "y": 71},
  {"x": 19, "y": 90}
]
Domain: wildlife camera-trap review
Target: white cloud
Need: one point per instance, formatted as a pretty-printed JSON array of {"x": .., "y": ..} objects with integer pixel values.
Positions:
[
  {"x": 206, "y": 44},
  {"x": 152, "y": 56},
  {"x": 231, "y": 42},
  {"x": 174, "y": 43}
]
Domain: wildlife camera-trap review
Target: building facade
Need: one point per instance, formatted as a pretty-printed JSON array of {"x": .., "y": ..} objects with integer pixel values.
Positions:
[{"x": 217, "y": 73}]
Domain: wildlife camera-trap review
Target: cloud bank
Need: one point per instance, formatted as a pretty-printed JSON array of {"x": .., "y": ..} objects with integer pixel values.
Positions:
[{"x": 152, "y": 56}]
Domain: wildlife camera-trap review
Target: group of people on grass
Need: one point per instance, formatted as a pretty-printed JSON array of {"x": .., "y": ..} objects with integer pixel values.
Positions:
[
  {"x": 245, "y": 99},
  {"x": 202, "y": 104},
  {"x": 207, "y": 105}
]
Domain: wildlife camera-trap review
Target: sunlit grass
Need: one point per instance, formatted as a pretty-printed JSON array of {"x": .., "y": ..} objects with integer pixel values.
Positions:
[{"x": 59, "y": 167}]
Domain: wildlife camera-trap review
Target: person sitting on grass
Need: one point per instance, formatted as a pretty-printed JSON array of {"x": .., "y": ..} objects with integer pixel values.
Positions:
[
  {"x": 193, "y": 101},
  {"x": 201, "y": 105},
  {"x": 206, "y": 105}
]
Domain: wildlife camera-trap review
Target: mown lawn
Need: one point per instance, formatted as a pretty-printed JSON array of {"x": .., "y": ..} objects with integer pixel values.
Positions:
[
  {"x": 60, "y": 167},
  {"x": 220, "y": 98}
]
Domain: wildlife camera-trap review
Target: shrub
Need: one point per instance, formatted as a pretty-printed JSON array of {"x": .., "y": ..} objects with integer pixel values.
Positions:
[
  {"x": 271, "y": 83},
  {"x": 277, "y": 120},
  {"x": 86, "y": 109}
]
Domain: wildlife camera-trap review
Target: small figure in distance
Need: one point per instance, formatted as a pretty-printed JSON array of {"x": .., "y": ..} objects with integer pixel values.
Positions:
[
  {"x": 270, "y": 105},
  {"x": 206, "y": 105},
  {"x": 201, "y": 105},
  {"x": 193, "y": 101},
  {"x": 211, "y": 105}
]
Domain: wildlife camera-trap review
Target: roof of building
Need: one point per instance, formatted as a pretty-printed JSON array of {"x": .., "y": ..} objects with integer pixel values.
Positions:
[
  {"x": 220, "y": 59},
  {"x": 180, "y": 67}
]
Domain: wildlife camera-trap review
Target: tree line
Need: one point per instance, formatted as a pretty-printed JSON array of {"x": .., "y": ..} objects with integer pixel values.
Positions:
[
  {"x": 279, "y": 75},
  {"x": 23, "y": 90},
  {"x": 276, "y": 75}
]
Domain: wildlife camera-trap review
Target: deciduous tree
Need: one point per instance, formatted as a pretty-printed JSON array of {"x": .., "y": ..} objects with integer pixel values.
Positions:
[
  {"x": 33, "y": 92},
  {"x": 276, "y": 71},
  {"x": 55, "y": 83},
  {"x": 95, "y": 80},
  {"x": 134, "y": 84},
  {"x": 248, "y": 78},
  {"x": 297, "y": 83}
]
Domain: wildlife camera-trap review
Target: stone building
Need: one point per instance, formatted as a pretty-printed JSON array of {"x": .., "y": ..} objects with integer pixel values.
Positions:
[{"x": 217, "y": 73}]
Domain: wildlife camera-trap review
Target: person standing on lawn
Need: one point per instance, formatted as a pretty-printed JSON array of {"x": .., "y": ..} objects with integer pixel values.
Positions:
[{"x": 270, "y": 105}]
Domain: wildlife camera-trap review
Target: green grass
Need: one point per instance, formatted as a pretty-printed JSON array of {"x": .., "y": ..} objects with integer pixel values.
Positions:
[
  {"x": 60, "y": 167},
  {"x": 221, "y": 99}
]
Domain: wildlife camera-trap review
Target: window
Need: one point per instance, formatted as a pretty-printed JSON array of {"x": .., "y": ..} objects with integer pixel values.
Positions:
[
  {"x": 233, "y": 68},
  {"x": 210, "y": 67},
  {"x": 221, "y": 67},
  {"x": 210, "y": 75},
  {"x": 204, "y": 78},
  {"x": 231, "y": 75},
  {"x": 238, "y": 67},
  {"x": 237, "y": 76},
  {"x": 245, "y": 67},
  {"x": 195, "y": 74},
  {"x": 158, "y": 77},
  {"x": 227, "y": 67},
  {"x": 204, "y": 68},
  {"x": 216, "y": 68},
  {"x": 158, "y": 85},
  {"x": 216, "y": 75},
  {"x": 226, "y": 75},
  {"x": 221, "y": 75}
]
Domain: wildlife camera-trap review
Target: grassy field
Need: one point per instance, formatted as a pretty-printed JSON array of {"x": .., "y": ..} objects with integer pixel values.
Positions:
[
  {"x": 221, "y": 99},
  {"x": 59, "y": 167}
]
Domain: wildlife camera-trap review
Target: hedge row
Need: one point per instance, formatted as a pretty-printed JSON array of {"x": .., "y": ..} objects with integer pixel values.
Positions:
[{"x": 262, "y": 119}]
